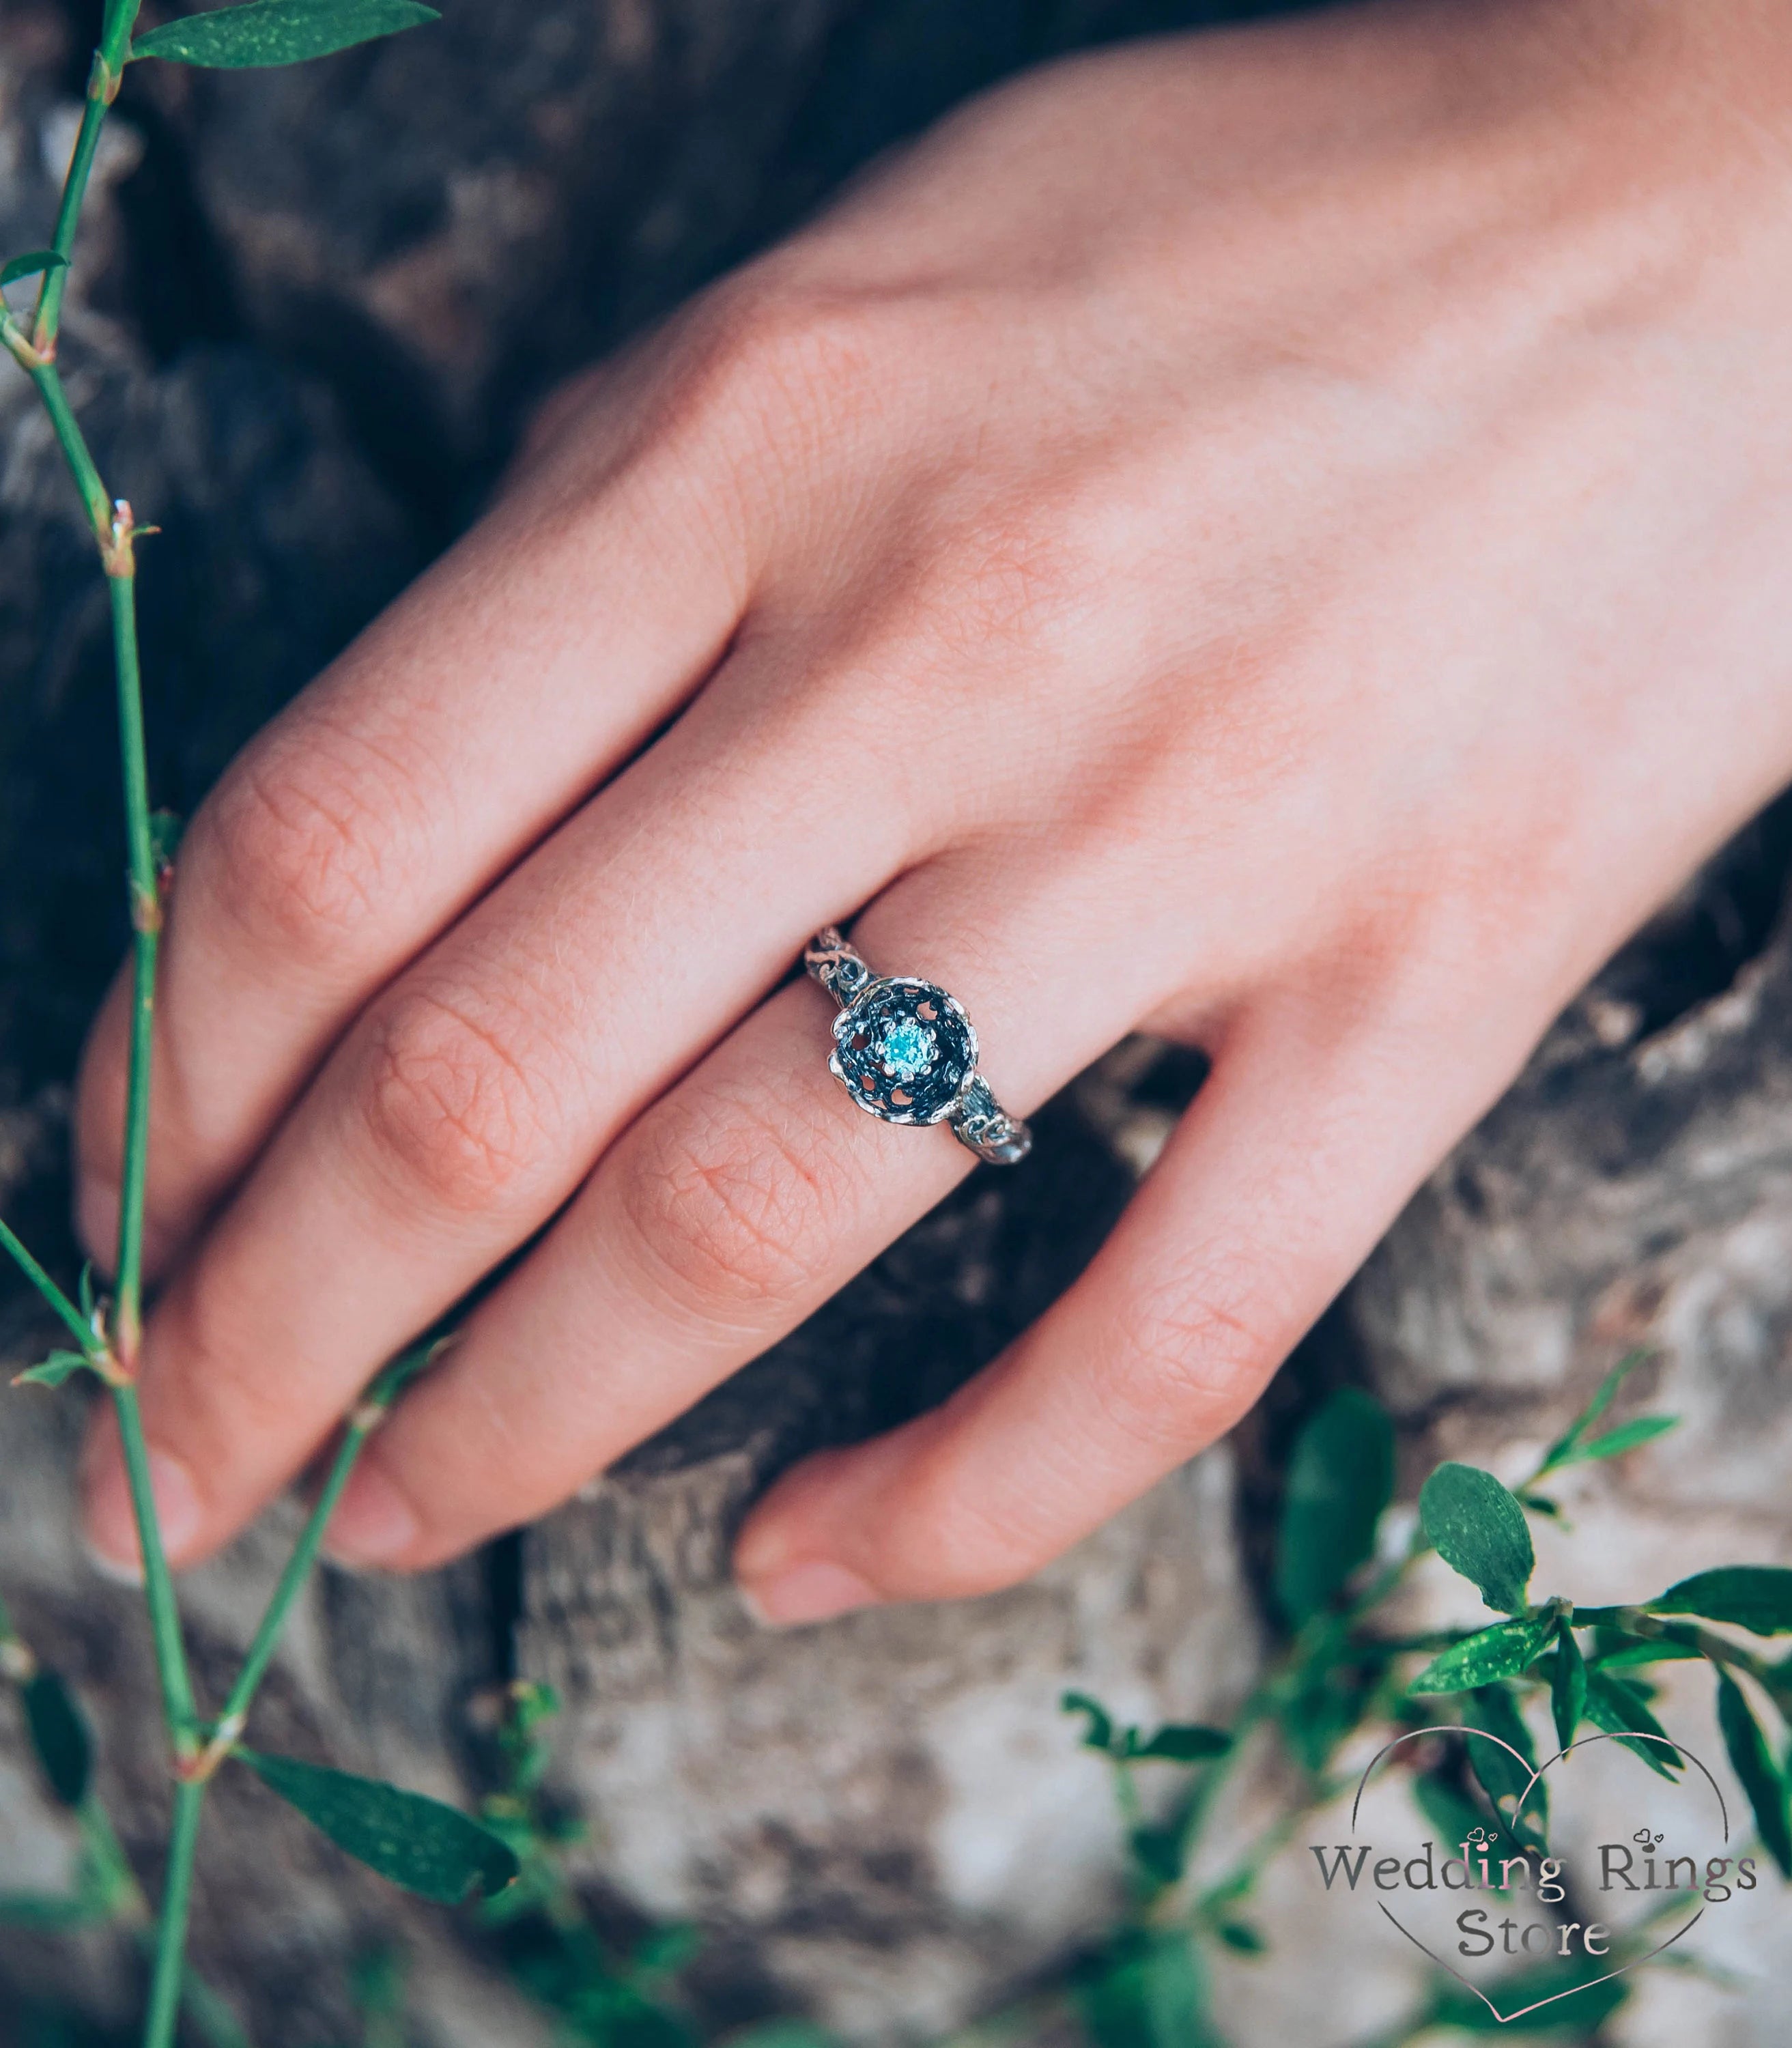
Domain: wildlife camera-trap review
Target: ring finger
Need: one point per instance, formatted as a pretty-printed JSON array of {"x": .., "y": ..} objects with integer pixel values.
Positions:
[{"x": 732, "y": 1209}]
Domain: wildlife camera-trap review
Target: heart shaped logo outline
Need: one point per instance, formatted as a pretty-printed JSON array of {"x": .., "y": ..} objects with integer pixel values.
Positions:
[{"x": 1537, "y": 1771}]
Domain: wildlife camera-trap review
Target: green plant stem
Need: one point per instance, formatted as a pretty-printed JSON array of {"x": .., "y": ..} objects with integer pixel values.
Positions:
[
  {"x": 367, "y": 1415},
  {"x": 209, "y": 2015},
  {"x": 145, "y": 919},
  {"x": 108, "y": 65},
  {"x": 1314, "y": 1639},
  {"x": 178, "y": 1707},
  {"x": 1125, "y": 1794},
  {"x": 1775, "y": 1681},
  {"x": 361, "y": 1426},
  {"x": 1239, "y": 1880},
  {"x": 77, "y": 1323},
  {"x": 75, "y": 450},
  {"x": 113, "y": 535},
  {"x": 122, "y": 1895},
  {"x": 168, "y": 1980}
]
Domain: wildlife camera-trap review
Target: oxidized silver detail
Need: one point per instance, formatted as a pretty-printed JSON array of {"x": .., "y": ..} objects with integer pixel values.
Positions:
[{"x": 906, "y": 1052}]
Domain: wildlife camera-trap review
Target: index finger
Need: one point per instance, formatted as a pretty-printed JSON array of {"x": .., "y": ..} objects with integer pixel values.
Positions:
[{"x": 513, "y": 677}]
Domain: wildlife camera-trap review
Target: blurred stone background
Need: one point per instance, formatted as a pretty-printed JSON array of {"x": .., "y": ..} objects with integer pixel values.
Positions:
[{"x": 310, "y": 311}]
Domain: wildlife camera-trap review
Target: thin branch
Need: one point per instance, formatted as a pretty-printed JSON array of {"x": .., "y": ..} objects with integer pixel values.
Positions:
[
  {"x": 169, "y": 1980},
  {"x": 103, "y": 89},
  {"x": 78, "y": 1324}
]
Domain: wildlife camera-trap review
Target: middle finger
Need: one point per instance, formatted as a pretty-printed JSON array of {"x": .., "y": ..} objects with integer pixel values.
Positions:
[{"x": 471, "y": 1098}]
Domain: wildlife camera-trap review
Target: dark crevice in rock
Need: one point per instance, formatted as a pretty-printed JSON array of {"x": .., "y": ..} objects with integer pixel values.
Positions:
[
  {"x": 501, "y": 1562},
  {"x": 177, "y": 286},
  {"x": 1694, "y": 948},
  {"x": 390, "y": 412}
]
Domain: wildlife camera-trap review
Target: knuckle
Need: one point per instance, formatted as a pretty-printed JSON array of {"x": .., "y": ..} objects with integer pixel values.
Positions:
[
  {"x": 453, "y": 1108},
  {"x": 730, "y": 1203},
  {"x": 302, "y": 844},
  {"x": 791, "y": 365}
]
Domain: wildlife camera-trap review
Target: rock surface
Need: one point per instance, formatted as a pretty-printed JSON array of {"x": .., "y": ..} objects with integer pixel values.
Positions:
[{"x": 309, "y": 314}]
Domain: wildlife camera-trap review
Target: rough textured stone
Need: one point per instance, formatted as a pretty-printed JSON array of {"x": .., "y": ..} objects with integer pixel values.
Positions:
[
  {"x": 1634, "y": 1188},
  {"x": 885, "y": 1821}
]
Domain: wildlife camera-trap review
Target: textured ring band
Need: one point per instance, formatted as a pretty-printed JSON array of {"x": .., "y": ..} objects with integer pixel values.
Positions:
[{"x": 906, "y": 1052}]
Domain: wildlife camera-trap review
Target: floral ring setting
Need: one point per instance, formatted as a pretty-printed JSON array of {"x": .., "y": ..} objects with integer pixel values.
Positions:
[{"x": 905, "y": 1053}]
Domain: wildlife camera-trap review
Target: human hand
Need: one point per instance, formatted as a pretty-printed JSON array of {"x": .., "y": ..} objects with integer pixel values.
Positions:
[{"x": 1271, "y": 538}]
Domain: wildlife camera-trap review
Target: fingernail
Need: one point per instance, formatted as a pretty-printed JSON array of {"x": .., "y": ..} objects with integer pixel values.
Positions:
[
  {"x": 815, "y": 1591},
  {"x": 110, "y": 1527},
  {"x": 96, "y": 1219},
  {"x": 374, "y": 1523}
]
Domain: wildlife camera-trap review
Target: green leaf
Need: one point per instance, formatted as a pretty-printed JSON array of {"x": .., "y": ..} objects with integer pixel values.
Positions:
[
  {"x": 1502, "y": 1651},
  {"x": 1480, "y": 1530},
  {"x": 1752, "y": 1761},
  {"x": 278, "y": 32},
  {"x": 1501, "y": 1775},
  {"x": 59, "y": 1735},
  {"x": 46, "y": 1913},
  {"x": 1644, "y": 1429},
  {"x": 1158, "y": 1853},
  {"x": 32, "y": 265},
  {"x": 663, "y": 1951},
  {"x": 1099, "y": 1733},
  {"x": 1147, "y": 1992},
  {"x": 1616, "y": 1707},
  {"x": 1180, "y": 1742},
  {"x": 1644, "y": 1650},
  {"x": 1339, "y": 1479},
  {"x": 1757, "y": 1597},
  {"x": 416, "y": 1842},
  {"x": 59, "y": 1366},
  {"x": 166, "y": 828},
  {"x": 1239, "y": 1935},
  {"x": 1568, "y": 1688},
  {"x": 1566, "y": 1449}
]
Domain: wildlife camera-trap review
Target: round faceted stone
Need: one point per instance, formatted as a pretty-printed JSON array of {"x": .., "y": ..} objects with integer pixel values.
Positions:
[
  {"x": 907, "y": 1050},
  {"x": 904, "y": 1050}
]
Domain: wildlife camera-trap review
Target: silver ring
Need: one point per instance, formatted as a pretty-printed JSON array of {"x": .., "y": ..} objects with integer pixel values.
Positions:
[{"x": 905, "y": 1053}]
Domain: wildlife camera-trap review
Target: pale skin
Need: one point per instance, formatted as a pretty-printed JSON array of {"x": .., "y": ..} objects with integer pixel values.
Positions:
[{"x": 1275, "y": 538}]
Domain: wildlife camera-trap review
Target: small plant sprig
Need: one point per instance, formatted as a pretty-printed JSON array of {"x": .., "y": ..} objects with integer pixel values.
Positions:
[
  {"x": 601, "y": 1991},
  {"x": 1148, "y": 1984},
  {"x": 600, "y": 1995},
  {"x": 416, "y": 1842}
]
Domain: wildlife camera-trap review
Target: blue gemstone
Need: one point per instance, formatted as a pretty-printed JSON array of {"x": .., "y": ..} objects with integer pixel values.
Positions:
[{"x": 907, "y": 1049}]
